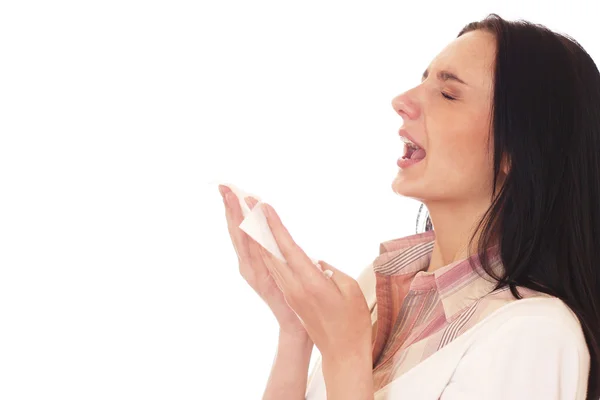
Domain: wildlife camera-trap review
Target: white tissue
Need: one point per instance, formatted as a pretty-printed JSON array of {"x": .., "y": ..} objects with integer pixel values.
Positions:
[{"x": 255, "y": 223}]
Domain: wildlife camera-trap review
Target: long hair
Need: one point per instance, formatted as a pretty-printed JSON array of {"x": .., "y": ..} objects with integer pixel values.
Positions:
[{"x": 546, "y": 217}]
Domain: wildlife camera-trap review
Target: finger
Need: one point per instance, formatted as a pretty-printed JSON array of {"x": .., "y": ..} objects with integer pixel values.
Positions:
[
  {"x": 332, "y": 274},
  {"x": 337, "y": 277},
  {"x": 258, "y": 262},
  {"x": 272, "y": 264},
  {"x": 251, "y": 201},
  {"x": 234, "y": 219},
  {"x": 254, "y": 248},
  {"x": 299, "y": 262},
  {"x": 257, "y": 252}
]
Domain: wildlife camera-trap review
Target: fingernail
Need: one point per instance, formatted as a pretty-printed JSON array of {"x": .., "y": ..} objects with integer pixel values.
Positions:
[
  {"x": 254, "y": 196},
  {"x": 328, "y": 273},
  {"x": 223, "y": 190}
]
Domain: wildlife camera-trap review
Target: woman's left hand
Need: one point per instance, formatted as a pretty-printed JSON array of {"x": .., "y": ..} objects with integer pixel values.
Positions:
[{"x": 332, "y": 309}]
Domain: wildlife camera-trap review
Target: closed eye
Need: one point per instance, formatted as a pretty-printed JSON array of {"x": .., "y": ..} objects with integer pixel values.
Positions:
[{"x": 448, "y": 96}]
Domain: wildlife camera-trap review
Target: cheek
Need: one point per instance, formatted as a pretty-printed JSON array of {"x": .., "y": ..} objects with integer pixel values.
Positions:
[{"x": 462, "y": 162}]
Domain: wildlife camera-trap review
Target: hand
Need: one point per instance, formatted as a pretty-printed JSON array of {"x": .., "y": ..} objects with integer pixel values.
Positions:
[
  {"x": 253, "y": 269},
  {"x": 332, "y": 309}
]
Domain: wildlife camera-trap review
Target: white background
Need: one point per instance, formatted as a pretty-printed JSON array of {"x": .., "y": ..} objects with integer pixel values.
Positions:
[{"x": 118, "y": 279}]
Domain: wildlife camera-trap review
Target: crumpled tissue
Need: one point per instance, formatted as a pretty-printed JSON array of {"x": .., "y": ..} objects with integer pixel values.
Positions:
[{"x": 256, "y": 226}]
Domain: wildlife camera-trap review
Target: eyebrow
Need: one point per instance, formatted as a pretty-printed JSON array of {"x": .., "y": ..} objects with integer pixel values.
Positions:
[{"x": 445, "y": 76}]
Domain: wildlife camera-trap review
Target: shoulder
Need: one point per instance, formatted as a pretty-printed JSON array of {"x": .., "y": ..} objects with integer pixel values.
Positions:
[
  {"x": 537, "y": 314},
  {"x": 502, "y": 304},
  {"x": 537, "y": 332},
  {"x": 526, "y": 344},
  {"x": 534, "y": 304}
]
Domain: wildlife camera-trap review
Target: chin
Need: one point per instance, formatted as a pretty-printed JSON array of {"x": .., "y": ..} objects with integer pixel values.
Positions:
[{"x": 408, "y": 187}]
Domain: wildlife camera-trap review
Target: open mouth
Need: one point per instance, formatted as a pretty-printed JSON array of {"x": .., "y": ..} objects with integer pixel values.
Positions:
[{"x": 413, "y": 152}]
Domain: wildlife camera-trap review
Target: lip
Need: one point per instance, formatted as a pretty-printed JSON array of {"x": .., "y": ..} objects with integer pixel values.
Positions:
[
  {"x": 404, "y": 132},
  {"x": 404, "y": 163}
]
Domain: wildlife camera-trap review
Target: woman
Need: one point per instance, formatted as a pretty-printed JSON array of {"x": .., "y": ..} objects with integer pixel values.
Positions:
[{"x": 502, "y": 299}]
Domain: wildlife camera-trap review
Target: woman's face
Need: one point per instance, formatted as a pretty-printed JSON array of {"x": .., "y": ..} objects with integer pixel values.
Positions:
[{"x": 458, "y": 164}]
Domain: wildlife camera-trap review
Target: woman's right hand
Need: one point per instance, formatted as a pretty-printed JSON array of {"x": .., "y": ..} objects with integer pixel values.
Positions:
[{"x": 253, "y": 268}]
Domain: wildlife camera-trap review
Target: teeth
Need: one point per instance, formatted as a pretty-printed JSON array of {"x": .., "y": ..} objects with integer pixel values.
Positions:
[{"x": 409, "y": 143}]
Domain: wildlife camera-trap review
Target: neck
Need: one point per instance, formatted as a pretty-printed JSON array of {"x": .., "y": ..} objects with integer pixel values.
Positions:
[{"x": 454, "y": 224}]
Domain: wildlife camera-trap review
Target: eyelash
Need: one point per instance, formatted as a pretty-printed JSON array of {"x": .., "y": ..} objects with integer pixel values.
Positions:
[{"x": 448, "y": 97}]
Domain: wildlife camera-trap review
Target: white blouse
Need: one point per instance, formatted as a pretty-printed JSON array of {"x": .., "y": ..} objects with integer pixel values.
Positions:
[{"x": 528, "y": 349}]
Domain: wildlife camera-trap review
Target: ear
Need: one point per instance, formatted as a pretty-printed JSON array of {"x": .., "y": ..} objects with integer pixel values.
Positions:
[{"x": 505, "y": 164}]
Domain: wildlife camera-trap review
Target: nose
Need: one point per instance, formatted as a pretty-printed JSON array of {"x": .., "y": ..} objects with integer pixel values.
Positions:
[{"x": 405, "y": 106}]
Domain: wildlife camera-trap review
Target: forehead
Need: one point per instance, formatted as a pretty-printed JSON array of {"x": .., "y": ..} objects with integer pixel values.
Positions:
[{"x": 471, "y": 57}]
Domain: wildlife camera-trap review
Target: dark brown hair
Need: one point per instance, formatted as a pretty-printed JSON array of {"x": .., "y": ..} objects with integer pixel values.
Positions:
[{"x": 546, "y": 216}]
